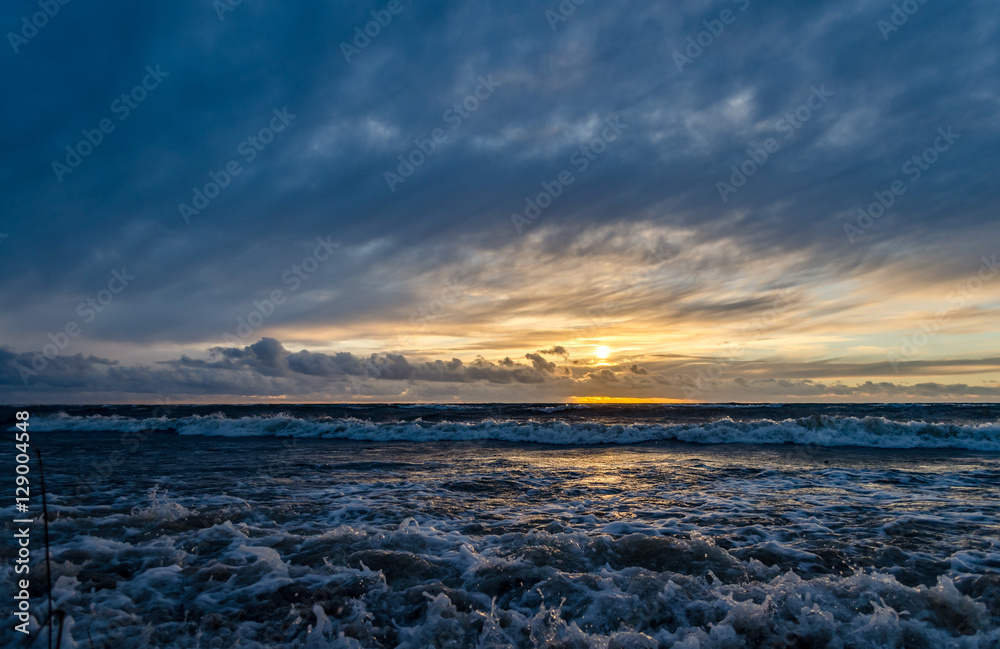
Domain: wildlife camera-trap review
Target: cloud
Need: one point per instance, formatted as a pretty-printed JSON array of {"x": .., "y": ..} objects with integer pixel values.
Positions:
[
  {"x": 540, "y": 363},
  {"x": 639, "y": 248},
  {"x": 268, "y": 357},
  {"x": 268, "y": 370}
]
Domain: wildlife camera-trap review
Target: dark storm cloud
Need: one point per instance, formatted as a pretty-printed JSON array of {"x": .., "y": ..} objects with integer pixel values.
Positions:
[
  {"x": 266, "y": 369},
  {"x": 270, "y": 358},
  {"x": 323, "y": 174}
]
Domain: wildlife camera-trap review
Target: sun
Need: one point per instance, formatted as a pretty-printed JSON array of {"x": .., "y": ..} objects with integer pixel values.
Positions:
[
  {"x": 610, "y": 400},
  {"x": 602, "y": 352}
]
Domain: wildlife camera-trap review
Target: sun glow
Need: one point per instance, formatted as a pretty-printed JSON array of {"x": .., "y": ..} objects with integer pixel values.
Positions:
[
  {"x": 625, "y": 400},
  {"x": 602, "y": 352}
]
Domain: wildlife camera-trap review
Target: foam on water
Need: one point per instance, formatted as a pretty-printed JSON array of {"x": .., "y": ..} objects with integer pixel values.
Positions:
[
  {"x": 820, "y": 430},
  {"x": 246, "y": 584},
  {"x": 302, "y": 529}
]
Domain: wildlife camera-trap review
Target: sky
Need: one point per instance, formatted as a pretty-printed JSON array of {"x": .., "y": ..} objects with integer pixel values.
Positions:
[{"x": 704, "y": 200}]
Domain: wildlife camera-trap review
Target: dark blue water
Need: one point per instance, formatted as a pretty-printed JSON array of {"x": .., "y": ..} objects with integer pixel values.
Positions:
[{"x": 520, "y": 526}]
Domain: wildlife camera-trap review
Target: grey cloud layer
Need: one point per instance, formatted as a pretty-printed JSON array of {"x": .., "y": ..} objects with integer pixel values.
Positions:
[
  {"x": 323, "y": 175},
  {"x": 266, "y": 369}
]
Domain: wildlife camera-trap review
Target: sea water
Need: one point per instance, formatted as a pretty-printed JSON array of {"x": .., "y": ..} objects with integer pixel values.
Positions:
[{"x": 518, "y": 526}]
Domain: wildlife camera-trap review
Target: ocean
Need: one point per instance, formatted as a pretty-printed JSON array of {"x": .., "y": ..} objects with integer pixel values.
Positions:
[{"x": 498, "y": 525}]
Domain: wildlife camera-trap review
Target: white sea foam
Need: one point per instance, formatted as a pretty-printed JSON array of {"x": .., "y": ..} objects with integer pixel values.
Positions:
[
  {"x": 190, "y": 543},
  {"x": 523, "y": 590},
  {"x": 823, "y": 430}
]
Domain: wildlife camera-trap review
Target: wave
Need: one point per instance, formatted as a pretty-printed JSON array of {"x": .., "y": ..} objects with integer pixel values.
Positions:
[
  {"x": 408, "y": 584},
  {"x": 817, "y": 430}
]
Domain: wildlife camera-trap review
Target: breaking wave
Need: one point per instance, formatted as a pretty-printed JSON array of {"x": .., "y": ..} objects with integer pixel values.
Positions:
[{"x": 817, "y": 430}]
